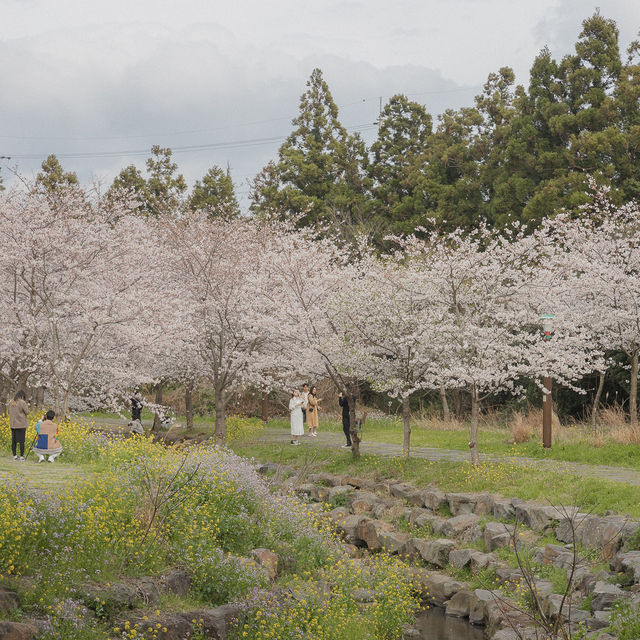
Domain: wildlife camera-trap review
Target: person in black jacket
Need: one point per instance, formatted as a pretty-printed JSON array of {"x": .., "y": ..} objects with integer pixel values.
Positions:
[{"x": 346, "y": 420}]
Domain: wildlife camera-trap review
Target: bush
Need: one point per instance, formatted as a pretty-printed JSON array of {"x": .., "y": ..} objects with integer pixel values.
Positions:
[{"x": 242, "y": 428}]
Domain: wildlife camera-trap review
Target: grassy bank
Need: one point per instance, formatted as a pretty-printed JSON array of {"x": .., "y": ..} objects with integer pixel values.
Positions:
[{"x": 506, "y": 479}]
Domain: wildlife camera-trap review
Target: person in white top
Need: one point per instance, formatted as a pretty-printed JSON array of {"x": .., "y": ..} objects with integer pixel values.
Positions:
[
  {"x": 305, "y": 406},
  {"x": 295, "y": 409}
]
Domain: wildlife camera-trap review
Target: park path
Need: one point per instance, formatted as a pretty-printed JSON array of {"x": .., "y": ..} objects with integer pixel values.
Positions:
[{"x": 333, "y": 440}]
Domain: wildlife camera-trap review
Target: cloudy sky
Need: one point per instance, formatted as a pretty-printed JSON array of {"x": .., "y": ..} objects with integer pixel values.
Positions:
[{"x": 99, "y": 82}]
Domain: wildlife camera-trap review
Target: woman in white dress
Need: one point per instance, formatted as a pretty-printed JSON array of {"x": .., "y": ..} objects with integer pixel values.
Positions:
[{"x": 297, "y": 423}]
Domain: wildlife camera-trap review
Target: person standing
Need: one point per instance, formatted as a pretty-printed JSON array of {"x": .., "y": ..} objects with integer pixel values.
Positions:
[
  {"x": 312, "y": 411},
  {"x": 297, "y": 422},
  {"x": 18, "y": 421},
  {"x": 305, "y": 397},
  {"x": 47, "y": 444},
  {"x": 136, "y": 414},
  {"x": 346, "y": 419}
]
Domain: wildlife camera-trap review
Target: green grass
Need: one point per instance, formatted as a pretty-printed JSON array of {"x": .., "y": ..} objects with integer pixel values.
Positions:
[{"x": 506, "y": 479}]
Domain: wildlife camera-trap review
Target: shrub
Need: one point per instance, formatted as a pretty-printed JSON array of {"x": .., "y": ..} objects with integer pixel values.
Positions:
[{"x": 242, "y": 428}]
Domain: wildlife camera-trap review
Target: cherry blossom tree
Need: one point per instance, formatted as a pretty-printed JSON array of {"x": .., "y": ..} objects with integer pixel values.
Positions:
[{"x": 73, "y": 284}]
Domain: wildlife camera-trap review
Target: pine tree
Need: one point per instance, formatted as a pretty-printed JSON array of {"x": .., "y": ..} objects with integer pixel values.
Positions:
[{"x": 215, "y": 194}]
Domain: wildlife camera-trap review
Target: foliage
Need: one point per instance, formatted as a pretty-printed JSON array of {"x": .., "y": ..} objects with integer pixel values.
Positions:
[
  {"x": 318, "y": 612},
  {"x": 242, "y": 428},
  {"x": 625, "y": 621}
]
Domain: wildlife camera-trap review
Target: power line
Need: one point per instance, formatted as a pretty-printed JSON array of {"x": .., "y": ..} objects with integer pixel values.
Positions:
[{"x": 211, "y": 146}]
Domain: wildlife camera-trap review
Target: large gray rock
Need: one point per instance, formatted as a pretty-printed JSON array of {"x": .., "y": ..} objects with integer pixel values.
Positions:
[
  {"x": 550, "y": 553},
  {"x": 628, "y": 563},
  {"x": 369, "y": 531},
  {"x": 267, "y": 560},
  {"x": 305, "y": 490},
  {"x": 348, "y": 527},
  {"x": 393, "y": 542},
  {"x": 465, "y": 526},
  {"x": 341, "y": 490},
  {"x": 482, "y": 602},
  {"x": 407, "y": 492},
  {"x": 604, "y": 595},
  {"x": 424, "y": 518},
  {"x": 461, "y": 503},
  {"x": 480, "y": 561},
  {"x": 441, "y": 588},
  {"x": 484, "y": 504},
  {"x": 327, "y": 479},
  {"x": 362, "y": 502},
  {"x": 607, "y": 533},
  {"x": 16, "y": 631},
  {"x": 536, "y": 516},
  {"x": 460, "y": 558},
  {"x": 433, "y": 499},
  {"x": 388, "y": 508},
  {"x": 434, "y": 552},
  {"x": 460, "y": 604},
  {"x": 497, "y": 534},
  {"x": 337, "y": 515},
  {"x": 503, "y": 509}
]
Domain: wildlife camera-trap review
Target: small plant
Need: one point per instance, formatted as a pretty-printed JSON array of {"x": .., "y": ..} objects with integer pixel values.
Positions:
[{"x": 625, "y": 621}]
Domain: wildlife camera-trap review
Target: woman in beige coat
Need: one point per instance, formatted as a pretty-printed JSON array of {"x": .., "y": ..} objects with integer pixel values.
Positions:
[
  {"x": 312, "y": 411},
  {"x": 18, "y": 421}
]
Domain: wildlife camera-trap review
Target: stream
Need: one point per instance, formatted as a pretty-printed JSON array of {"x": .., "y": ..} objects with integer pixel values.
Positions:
[{"x": 435, "y": 625}]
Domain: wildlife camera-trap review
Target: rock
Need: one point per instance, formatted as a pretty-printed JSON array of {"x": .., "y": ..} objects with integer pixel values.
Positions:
[
  {"x": 461, "y": 502},
  {"x": 387, "y": 508},
  {"x": 423, "y": 518},
  {"x": 177, "y": 582},
  {"x": 484, "y": 504},
  {"x": 266, "y": 468},
  {"x": 536, "y": 516},
  {"x": 583, "y": 579},
  {"x": 506, "y": 634},
  {"x": 595, "y": 532},
  {"x": 480, "y": 561},
  {"x": 441, "y": 588},
  {"x": 393, "y": 542},
  {"x": 320, "y": 493},
  {"x": 435, "y": 552},
  {"x": 628, "y": 563},
  {"x": 543, "y": 588},
  {"x": 16, "y": 631},
  {"x": 8, "y": 601},
  {"x": 460, "y": 604},
  {"x": 433, "y": 499},
  {"x": 507, "y": 575},
  {"x": 351, "y": 550},
  {"x": 352, "y": 481},
  {"x": 497, "y": 534},
  {"x": 268, "y": 560},
  {"x": 604, "y": 595},
  {"x": 462, "y": 526},
  {"x": 551, "y": 552},
  {"x": 460, "y": 558},
  {"x": 327, "y": 479},
  {"x": 368, "y": 531},
  {"x": 349, "y": 526},
  {"x": 363, "y": 502},
  {"x": 503, "y": 509},
  {"x": 403, "y": 491},
  {"x": 599, "y": 621},
  {"x": 480, "y": 603},
  {"x": 337, "y": 515},
  {"x": 411, "y": 633}
]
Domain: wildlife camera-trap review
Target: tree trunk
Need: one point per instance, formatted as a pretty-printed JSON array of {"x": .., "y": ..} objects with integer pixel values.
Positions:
[
  {"x": 458, "y": 399},
  {"x": 406, "y": 423},
  {"x": 264, "y": 406},
  {"x": 633, "y": 388},
  {"x": 221, "y": 416},
  {"x": 188, "y": 404},
  {"x": 596, "y": 400},
  {"x": 473, "y": 439},
  {"x": 353, "y": 425},
  {"x": 157, "y": 418},
  {"x": 446, "y": 414},
  {"x": 38, "y": 401}
]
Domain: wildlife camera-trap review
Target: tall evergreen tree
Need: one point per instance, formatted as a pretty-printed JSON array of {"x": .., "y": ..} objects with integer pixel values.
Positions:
[
  {"x": 319, "y": 175},
  {"x": 215, "y": 194},
  {"x": 53, "y": 177}
]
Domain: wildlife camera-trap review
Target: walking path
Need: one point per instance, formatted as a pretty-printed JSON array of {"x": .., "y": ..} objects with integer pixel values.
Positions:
[
  {"x": 328, "y": 439},
  {"x": 334, "y": 440}
]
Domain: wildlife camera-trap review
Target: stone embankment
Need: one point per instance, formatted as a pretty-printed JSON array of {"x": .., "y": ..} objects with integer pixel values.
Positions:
[{"x": 443, "y": 532}]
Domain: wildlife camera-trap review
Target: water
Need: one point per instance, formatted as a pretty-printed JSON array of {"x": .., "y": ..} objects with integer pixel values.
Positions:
[{"x": 435, "y": 625}]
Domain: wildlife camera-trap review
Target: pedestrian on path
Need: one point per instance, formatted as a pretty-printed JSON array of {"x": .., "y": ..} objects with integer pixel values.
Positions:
[
  {"x": 312, "y": 411},
  {"x": 346, "y": 420},
  {"x": 18, "y": 421},
  {"x": 305, "y": 396},
  {"x": 47, "y": 444},
  {"x": 297, "y": 422}
]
